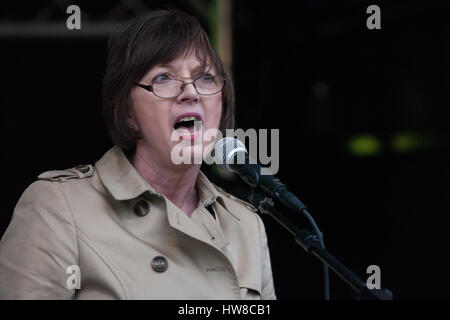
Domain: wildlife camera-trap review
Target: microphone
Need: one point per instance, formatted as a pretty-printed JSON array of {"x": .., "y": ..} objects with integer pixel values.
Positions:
[{"x": 231, "y": 155}]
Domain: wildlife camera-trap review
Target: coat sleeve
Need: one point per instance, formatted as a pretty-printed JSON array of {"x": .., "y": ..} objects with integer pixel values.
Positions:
[
  {"x": 267, "y": 289},
  {"x": 38, "y": 246}
]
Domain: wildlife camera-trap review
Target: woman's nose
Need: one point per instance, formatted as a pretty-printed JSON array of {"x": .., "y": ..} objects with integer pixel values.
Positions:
[{"x": 188, "y": 93}]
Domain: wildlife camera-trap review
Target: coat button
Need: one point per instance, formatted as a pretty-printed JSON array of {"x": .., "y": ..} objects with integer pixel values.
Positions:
[
  {"x": 141, "y": 208},
  {"x": 159, "y": 264}
]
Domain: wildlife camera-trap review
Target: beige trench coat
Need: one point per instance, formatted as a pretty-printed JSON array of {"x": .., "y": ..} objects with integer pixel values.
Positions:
[{"x": 92, "y": 232}]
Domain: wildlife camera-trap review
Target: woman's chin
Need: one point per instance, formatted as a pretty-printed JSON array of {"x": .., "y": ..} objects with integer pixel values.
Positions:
[{"x": 187, "y": 154}]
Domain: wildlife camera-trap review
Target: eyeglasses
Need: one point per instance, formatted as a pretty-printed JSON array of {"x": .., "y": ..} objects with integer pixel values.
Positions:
[{"x": 165, "y": 87}]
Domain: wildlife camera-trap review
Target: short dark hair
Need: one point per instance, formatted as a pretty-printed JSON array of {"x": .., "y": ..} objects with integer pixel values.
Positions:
[{"x": 159, "y": 37}]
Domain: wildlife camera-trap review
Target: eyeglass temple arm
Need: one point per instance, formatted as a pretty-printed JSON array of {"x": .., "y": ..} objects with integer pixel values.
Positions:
[{"x": 149, "y": 88}]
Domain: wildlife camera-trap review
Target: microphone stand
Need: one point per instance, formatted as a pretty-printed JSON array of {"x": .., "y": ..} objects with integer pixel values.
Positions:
[{"x": 311, "y": 244}]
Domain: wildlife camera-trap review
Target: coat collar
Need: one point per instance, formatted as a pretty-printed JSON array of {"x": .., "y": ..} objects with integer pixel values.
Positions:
[
  {"x": 123, "y": 181},
  {"x": 120, "y": 177}
]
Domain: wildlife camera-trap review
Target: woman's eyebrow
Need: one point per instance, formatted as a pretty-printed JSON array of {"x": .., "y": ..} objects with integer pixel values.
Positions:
[
  {"x": 201, "y": 67},
  {"x": 168, "y": 66},
  {"x": 164, "y": 66},
  {"x": 171, "y": 66},
  {"x": 159, "y": 68}
]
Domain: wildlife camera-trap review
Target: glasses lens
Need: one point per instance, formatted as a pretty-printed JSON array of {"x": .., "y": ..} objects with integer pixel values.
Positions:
[
  {"x": 205, "y": 85},
  {"x": 208, "y": 84},
  {"x": 167, "y": 88}
]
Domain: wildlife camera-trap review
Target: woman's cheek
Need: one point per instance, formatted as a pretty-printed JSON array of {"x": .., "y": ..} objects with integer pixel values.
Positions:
[
  {"x": 218, "y": 116},
  {"x": 217, "y": 112}
]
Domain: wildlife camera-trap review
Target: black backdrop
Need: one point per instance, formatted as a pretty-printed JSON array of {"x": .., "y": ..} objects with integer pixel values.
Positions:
[{"x": 313, "y": 70}]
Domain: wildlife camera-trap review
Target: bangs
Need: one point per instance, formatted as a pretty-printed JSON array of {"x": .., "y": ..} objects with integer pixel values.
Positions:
[{"x": 175, "y": 38}]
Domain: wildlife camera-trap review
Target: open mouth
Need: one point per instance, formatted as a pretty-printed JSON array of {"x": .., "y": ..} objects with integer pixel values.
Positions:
[{"x": 188, "y": 123}]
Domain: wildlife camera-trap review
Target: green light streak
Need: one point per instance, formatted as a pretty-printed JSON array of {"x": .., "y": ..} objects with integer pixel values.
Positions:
[{"x": 364, "y": 145}]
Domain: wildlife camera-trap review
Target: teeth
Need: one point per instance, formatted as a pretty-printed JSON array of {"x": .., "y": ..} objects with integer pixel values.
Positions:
[
  {"x": 196, "y": 127},
  {"x": 188, "y": 118}
]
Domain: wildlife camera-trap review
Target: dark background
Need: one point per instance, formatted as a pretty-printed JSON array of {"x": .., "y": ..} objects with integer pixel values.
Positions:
[{"x": 363, "y": 118}]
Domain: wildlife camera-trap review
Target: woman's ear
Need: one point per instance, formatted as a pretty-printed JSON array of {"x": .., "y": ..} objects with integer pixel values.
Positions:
[{"x": 132, "y": 124}]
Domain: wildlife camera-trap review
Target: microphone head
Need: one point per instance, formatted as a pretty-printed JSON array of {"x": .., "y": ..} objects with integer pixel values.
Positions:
[{"x": 225, "y": 151}]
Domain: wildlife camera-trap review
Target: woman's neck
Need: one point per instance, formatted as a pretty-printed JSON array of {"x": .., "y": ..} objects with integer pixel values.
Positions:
[{"x": 176, "y": 182}]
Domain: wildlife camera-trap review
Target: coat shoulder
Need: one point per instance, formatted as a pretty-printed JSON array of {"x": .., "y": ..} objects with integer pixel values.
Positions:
[
  {"x": 235, "y": 200},
  {"x": 78, "y": 172}
]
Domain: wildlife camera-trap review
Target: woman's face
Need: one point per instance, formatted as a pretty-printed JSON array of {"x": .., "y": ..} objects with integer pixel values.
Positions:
[{"x": 166, "y": 124}]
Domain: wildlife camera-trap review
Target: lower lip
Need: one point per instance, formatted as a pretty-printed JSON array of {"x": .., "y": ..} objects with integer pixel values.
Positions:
[
  {"x": 191, "y": 136},
  {"x": 186, "y": 134}
]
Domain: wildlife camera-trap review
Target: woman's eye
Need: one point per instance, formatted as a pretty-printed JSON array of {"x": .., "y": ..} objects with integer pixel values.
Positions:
[
  {"x": 161, "y": 78},
  {"x": 206, "y": 78}
]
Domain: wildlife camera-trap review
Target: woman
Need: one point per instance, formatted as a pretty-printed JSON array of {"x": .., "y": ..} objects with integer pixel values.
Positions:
[{"x": 136, "y": 225}]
